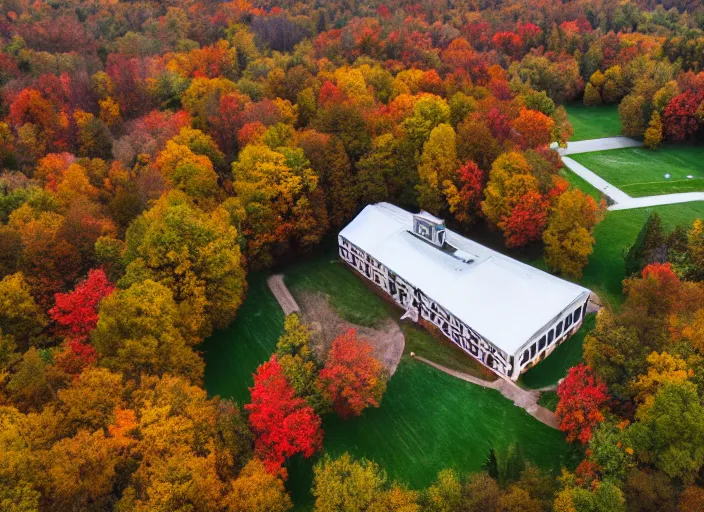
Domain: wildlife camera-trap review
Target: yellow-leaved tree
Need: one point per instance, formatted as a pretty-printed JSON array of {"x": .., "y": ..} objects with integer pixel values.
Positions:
[{"x": 568, "y": 237}]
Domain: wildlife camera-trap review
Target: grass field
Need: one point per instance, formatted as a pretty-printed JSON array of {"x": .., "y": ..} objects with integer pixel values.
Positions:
[
  {"x": 593, "y": 122},
  {"x": 427, "y": 421},
  {"x": 615, "y": 234},
  {"x": 641, "y": 172},
  {"x": 580, "y": 183},
  {"x": 554, "y": 367}
]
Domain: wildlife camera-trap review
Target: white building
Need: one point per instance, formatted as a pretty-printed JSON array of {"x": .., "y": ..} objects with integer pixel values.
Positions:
[{"x": 504, "y": 313}]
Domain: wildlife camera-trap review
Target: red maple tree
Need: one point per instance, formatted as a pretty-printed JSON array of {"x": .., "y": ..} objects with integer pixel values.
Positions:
[
  {"x": 283, "y": 423},
  {"x": 77, "y": 311},
  {"x": 527, "y": 220},
  {"x": 582, "y": 397},
  {"x": 352, "y": 378},
  {"x": 680, "y": 120},
  {"x": 471, "y": 177}
]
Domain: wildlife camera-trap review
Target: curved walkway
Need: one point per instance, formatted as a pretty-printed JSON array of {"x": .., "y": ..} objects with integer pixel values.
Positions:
[
  {"x": 524, "y": 398},
  {"x": 618, "y": 198}
]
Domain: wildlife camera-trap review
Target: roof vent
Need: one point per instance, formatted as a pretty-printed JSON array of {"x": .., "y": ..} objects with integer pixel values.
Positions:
[{"x": 430, "y": 228}]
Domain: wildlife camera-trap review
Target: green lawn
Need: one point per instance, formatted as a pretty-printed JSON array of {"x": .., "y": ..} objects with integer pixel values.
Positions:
[
  {"x": 580, "y": 183},
  {"x": 641, "y": 172},
  {"x": 549, "y": 399},
  {"x": 615, "y": 234},
  {"x": 554, "y": 367},
  {"x": 593, "y": 122},
  {"x": 428, "y": 420}
]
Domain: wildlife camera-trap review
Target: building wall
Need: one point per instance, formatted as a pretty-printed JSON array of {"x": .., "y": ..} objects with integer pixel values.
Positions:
[
  {"x": 564, "y": 325},
  {"x": 409, "y": 297}
]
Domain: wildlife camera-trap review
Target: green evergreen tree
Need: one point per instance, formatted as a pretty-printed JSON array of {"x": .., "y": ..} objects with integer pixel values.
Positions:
[{"x": 647, "y": 246}]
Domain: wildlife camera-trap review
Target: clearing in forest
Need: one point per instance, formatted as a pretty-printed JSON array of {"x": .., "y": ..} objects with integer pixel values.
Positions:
[{"x": 593, "y": 122}]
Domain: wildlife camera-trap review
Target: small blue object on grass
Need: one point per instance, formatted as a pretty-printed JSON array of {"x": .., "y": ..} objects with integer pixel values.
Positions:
[{"x": 667, "y": 176}]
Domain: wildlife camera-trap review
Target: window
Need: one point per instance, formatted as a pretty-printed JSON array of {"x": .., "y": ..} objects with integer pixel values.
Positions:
[
  {"x": 558, "y": 330},
  {"x": 568, "y": 321},
  {"x": 541, "y": 344},
  {"x": 577, "y": 314},
  {"x": 551, "y": 336},
  {"x": 532, "y": 351},
  {"x": 524, "y": 357}
]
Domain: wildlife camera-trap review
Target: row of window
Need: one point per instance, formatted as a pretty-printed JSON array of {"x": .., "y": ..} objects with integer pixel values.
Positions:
[{"x": 553, "y": 334}]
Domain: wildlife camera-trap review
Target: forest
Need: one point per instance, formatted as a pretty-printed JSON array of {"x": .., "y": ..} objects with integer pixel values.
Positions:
[{"x": 154, "y": 153}]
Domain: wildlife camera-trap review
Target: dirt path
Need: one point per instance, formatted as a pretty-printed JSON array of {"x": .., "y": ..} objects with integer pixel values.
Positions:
[
  {"x": 387, "y": 340},
  {"x": 283, "y": 296},
  {"x": 523, "y": 398}
]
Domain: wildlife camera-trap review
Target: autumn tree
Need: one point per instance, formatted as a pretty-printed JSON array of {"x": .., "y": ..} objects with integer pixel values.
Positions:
[
  {"x": 20, "y": 316},
  {"x": 527, "y": 220},
  {"x": 138, "y": 332},
  {"x": 653, "y": 134},
  {"x": 352, "y": 378},
  {"x": 299, "y": 364},
  {"x": 533, "y": 128},
  {"x": 284, "y": 204},
  {"x": 568, "y": 239},
  {"x": 670, "y": 431},
  {"x": 591, "y": 95},
  {"x": 437, "y": 168},
  {"x": 193, "y": 253},
  {"x": 582, "y": 398},
  {"x": 257, "y": 490},
  {"x": 77, "y": 311},
  {"x": 464, "y": 199},
  {"x": 358, "y": 486},
  {"x": 283, "y": 423},
  {"x": 680, "y": 120},
  {"x": 330, "y": 162}
]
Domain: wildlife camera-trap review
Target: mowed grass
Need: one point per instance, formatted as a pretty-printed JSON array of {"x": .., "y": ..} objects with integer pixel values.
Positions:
[
  {"x": 554, "y": 367},
  {"x": 615, "y": 234},
  {"x": 427, "y": 421},
  {"x": 580, "y": 183},
  {"x": 641, "y": 172},
  {"x": 593, "y": 122},
  {"x": 233, "y": 354}
]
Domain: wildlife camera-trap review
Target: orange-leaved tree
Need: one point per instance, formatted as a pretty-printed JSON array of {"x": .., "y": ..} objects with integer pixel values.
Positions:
[{"x": 352, "y": 379}]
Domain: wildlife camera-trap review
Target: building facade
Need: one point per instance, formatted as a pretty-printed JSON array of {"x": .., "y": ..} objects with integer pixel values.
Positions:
[{"x": 418, "y": 304}]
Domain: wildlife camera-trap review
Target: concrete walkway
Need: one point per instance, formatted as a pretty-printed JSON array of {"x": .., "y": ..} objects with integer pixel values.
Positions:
[
  {"x": 616, "y": 195},
  {"x": 618, "y": 199},
  {"x": 644, "y": 202},
  {"x": 588, "y": 146},
  {"x": 524, "y": 398}
]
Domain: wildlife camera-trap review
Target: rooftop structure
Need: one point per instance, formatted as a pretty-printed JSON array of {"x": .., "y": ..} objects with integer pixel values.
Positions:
[{"x": 504, "y": 313}]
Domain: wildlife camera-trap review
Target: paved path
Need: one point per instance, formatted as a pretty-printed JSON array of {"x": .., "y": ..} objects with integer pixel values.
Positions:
[
  {"x": 283, "y": 296},
  {"x": 587, "y": 146},
  {"x": 616, "y": 195},
  {"x": 524, "y": 398},
  {"x": 644, "y": 202},
  {"x": 618, "y": 198}
]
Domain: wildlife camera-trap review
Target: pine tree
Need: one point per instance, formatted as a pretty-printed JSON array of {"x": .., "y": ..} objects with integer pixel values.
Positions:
[{"x": 649, "y": 240}]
